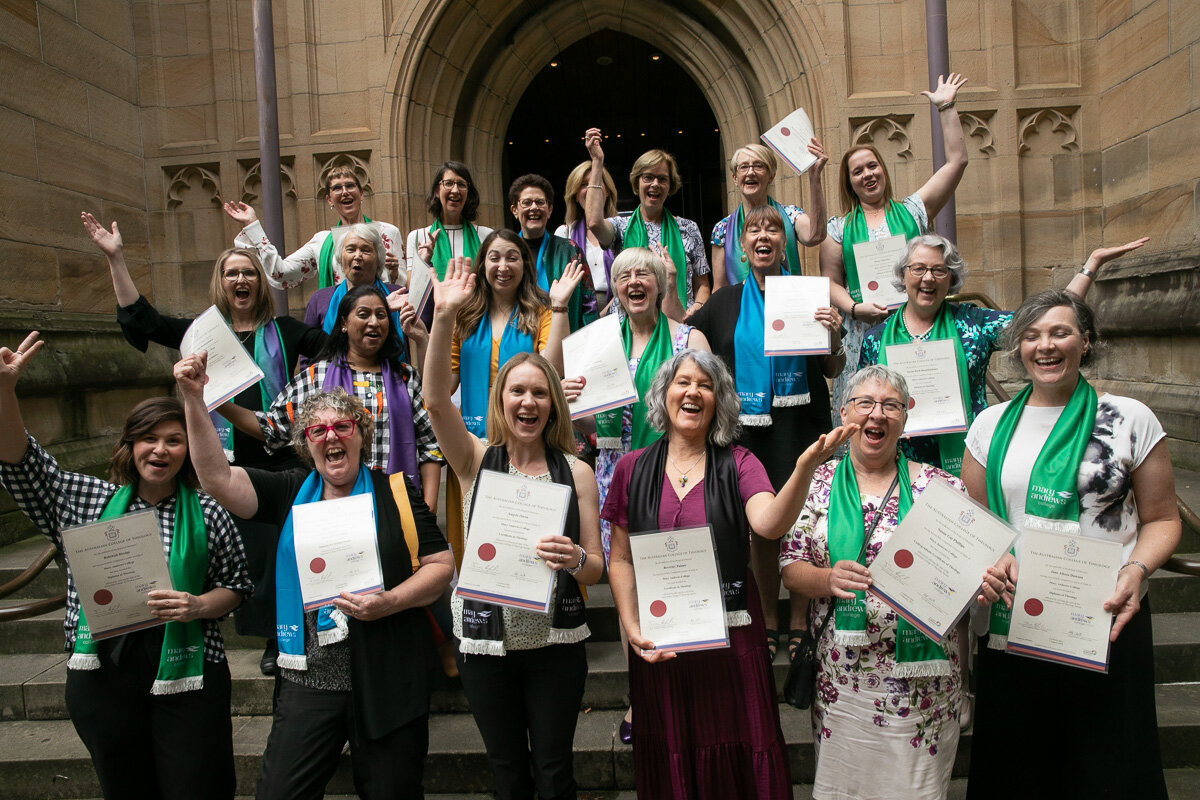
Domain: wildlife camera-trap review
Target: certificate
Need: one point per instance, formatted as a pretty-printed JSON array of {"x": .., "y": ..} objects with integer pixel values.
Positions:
[
  {"x": 790, "y": 140},
  {"x": 500, "y": 565},
  {"x": 680, "y": 605},
  {"x": 230, "y": 367},
  {"x": 789, "y": 304},
  {"x": 336, "y": 549},
  {"x": 929, "y": 569},
  {"x": 115, "y": 564},
  {"x": 876, "y": 264},
  {"x": 935, "y": 403},
  {"x": 1058, "y": 612},
  {"x": 595, "y": 351},
  {"x": 419, "y": 287}
]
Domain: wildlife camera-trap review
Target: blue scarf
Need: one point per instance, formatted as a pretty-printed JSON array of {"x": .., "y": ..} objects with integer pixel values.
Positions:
[
  {"x": 543, "y": 280},
  {"x": 335, "y": 300},
  {"x": 271, "y": 357},
  {"x": 289, "y": 604},
  {"x": 736, "y": 268},
  {"x": 475, "y": 367},
  {"x": 763, "y": 381}
]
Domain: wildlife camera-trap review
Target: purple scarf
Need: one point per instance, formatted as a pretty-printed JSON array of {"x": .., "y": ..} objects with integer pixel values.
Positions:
[
  {"x": 402, "y": 444},
  {"x": 579, "y": 237}
]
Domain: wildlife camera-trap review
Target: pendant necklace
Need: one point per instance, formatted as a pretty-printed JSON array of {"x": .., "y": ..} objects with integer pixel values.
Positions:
[{"x": 683, "y": 473}]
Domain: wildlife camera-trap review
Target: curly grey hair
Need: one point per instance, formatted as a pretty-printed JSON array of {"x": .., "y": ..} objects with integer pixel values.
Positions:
[
  {"x": 876, "y": 372},
  {"x": 725, "y": 425},
  {"x": 368, "y": 233},
  {"x": 954, "y": 262},
  {"x": 632, "y": 258},
  {"x": 346, "y": 406}
]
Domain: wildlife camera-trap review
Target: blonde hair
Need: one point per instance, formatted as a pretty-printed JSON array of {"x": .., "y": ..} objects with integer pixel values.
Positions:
[
  {"x": 762, "y": 153},
  {"x": 575, "y": 181},
  {"x": 558, "y": 432},
  {"x": 652, "y": 158},
  {"x": 263, "y": 309}
]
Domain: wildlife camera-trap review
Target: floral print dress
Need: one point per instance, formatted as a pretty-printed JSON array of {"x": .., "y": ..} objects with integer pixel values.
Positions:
[{"x": 905, "y": 729}]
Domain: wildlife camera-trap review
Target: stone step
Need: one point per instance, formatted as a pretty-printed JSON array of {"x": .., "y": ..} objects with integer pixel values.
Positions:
[
  {"x": 15, "y": 558},
  {"x": 45, "y": 759}
]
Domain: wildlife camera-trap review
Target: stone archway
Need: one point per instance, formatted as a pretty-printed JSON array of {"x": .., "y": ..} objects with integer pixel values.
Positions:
[{"x": 459, "y": 70}]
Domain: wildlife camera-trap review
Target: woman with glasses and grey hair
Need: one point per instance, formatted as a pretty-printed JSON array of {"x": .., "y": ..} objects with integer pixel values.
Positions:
[
  {"x": 709, "y": 718},
  {"x": 930, "y": 270},
  {"x": 886, "y": 695}
]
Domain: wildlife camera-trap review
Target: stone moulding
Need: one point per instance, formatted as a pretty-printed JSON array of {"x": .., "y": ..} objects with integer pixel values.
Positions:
[
  {"x": 978, "y": 124},
  {"x": 893, "y": 126},
  {"x": 358, "y": 160},
  {"x": 180, "y": 180},
  {"x": 253, "y": 177},
  {"x": 1062, "y": 120}
]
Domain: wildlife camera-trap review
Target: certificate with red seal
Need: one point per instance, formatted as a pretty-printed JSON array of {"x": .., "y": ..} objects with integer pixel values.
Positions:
[
  {"x": 231, "y": 369},
  {"x": 790, "y": 303},
  {"x": 930, "y": 568},
  {"x": 930, "y": 368},
  {"x": 1058, "y": 612},
  {"x": 876, "y": 263},
  {"x": 115, "y": 564},
  {"x": 680, "y": 605},
  {"x": 500, "y": 561},
  {"x": 336, "y": 549}
]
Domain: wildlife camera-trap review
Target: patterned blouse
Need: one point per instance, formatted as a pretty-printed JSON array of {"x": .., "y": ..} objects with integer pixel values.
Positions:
[{"x": 693, "y": 245}]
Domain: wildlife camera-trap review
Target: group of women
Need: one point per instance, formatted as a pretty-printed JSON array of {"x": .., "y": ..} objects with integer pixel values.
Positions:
[{"x": 359, "y": 399}]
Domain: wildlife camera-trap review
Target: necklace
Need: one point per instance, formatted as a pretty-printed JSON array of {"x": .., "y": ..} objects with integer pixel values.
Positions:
[
  {"x": 917, "y": 336},
  {"x": 683, "y": 473}
]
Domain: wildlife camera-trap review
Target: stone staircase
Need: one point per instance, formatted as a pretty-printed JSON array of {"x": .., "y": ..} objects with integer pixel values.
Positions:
[{"x": 40, "y": 756}]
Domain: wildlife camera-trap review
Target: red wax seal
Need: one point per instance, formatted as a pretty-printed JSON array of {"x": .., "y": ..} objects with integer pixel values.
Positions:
[
  {"x": 317, "y": 565},
  {"x": 103, "y": 597},
  {"x": 873, "y": 285},
  {"x": 487, "y": 551},
  {"x": 912, "y": 403},
  {"x": 903, "y": 559},
  {"x": 785, "y": 132},
  {"x": 658, "y": 608},
  {"x": 777, "y": 324},
  {"x": 1033, "y": 607}
]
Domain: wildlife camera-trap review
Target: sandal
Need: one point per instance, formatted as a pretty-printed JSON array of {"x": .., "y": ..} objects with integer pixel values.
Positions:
[
  {"x": 772, "y": 642},
  {"x": 795, "y": 639}
]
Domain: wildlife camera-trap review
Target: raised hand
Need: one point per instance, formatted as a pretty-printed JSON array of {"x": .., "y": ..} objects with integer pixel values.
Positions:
[
  {"x": 396, "y": 298},
  {"x": 425, "y": 248},
  {"x": 412, "y": 326},
  {"x": 946, "y": 89},
  {"x": 450, "y": 293},
  {"x": 1102, "y": 255},
  {"x": 562, "y": 289},
  {"x": 827, "y": 444},
  {"x": 242, "y": 213},
  {"x": 815, "y": 148},
  {"x": 109, "y": 242},
  {"x": 668, "y": 263},
  {"x": 12, "y": 364},
  {"x": 191, "y": 373},
  {"x": 591, "y": 139}
]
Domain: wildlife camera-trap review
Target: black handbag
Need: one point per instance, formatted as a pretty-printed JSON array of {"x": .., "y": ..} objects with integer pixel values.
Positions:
[{"x": 801, "y": 680}]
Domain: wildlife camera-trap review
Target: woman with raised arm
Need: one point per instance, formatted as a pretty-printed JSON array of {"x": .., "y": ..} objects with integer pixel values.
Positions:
[
  {"x": 359, "y": 669},
  {"x": 345, "y": 195},
  {"x": 453, "y": 202},
  {"x": 654, "y": 177},
  {"x": 872, "y": 213},
  {"x": 1061, "y": 456},
  {"x": 708, "y": 721},
  {"x": 752, "y": 169},
  {"x": 153, "y": 706},
  {"x": 523, "y": 672},
  {"x": 599, "y": 259}
]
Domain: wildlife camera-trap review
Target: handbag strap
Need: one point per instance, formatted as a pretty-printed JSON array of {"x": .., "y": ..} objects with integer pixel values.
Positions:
[{"x": 861, "y": 552}]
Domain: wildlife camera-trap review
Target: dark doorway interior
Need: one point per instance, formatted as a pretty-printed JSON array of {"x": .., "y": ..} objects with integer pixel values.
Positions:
[{"x": 641, "y": 100}]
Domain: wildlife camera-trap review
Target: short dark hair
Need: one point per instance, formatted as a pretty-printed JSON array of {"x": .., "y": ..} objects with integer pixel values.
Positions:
[
  {"x": 338, "y": 343},
  {"x": 434, "y": 203},
  {"x": 524, "y": 182},
  {"x": 145, "y": 417},
  {"x": 1035, "y": 307}
]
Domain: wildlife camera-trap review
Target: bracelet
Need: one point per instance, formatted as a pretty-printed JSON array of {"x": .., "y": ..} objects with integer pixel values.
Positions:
[
  {"x": 948, "y": 104},
  {"x": 1091, "y": 273},
  {"x": 559, "y": 309},
  {"x": 1133, "y": 563},
  {"x": 595, "y": 185},
  {"x": 841, "y": 351},
  {"x": 853, "y": 316},
  {"x": 582, "y": 560}
]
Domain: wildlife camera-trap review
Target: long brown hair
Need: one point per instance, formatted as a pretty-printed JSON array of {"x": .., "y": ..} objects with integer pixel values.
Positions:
[
  {"x": 145, "y": 417},
  {"x": 263, "y": 309},
  {"x": 846, "y": 190},
  {"x": 557, "y": 433},
  {"x": 530, "y": 298}
]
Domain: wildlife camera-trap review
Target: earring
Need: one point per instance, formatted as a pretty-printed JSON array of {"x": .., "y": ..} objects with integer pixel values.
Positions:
[{"x": 743, "y": 258}]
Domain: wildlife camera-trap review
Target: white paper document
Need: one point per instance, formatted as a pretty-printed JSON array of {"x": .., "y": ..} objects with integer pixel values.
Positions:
[
  {"x": 789, "y": 303},
  {"x": 595, "y": 351},
  {"x": 115, "y": 564},
  {"x": 931, "y": 567},
  {"x": 500, "y": 563},
  {"x": 420, "y": 290},
  {"x": 680, "y": 605},
  {"x": 935, "y": 403},
  {"x": 230, "y": 367},
  {"x": 790, "y": 138},
  {"x": 1058, "y": 611},
  {"x": 876, "y": 263},
  {"x": 336, "y": 549}
]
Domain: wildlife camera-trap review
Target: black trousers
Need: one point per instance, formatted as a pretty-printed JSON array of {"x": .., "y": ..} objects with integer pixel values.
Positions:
[
  {"x": 307, "y": 735},
  {"x": 168, "y": 747},
  {"x": 526, "y": 704}
]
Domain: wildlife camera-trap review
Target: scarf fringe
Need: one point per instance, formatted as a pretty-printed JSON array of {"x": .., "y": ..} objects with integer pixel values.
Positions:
[
  {"x": 569, "y": 635},
  {"x": 339, "y": 633},
  {"x": 292, "y": 661},
  {"x": 192, "y": 683},
  {"x": 84, "y": 662},
  {"x": 1067, "y": 527},
  {"x": 789, "y": 400},
  {"x": 851, "y": 638},
  {"x": 481, "y": 647},
  {"x": 921, "y": 669},
  {"x": 608, "y": 442},
  {"x": 755, "y": 420},
  {"x": 997, "y": 641},
  {"x": 737, "y": 619}
]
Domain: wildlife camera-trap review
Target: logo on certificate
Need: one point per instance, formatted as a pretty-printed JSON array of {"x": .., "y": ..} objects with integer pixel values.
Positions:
[
  {"x": 966, "y": 517},
  {"x": 523, "y": 492},
  {"x": 111, "y": 533},
  {"x": 672, "y": 544},
  {"x": 919, "y": 351},
  {"x": 1071, "y": 548}
]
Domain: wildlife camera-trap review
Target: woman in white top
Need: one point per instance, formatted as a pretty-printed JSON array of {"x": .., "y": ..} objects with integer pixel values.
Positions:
[
  {"x": 574, "y": 227},
  {"x": 453, "y": 202}
]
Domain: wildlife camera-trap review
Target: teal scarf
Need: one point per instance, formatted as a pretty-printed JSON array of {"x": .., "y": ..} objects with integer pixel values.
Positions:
[
  {"x": 475, "y": 367},
  {"x": 763, "y": 381}
]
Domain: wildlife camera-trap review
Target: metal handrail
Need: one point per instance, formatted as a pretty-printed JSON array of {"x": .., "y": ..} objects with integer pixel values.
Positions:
[
  {"x": 31, "y": 572},
  {"x": 31, "y": 608}
]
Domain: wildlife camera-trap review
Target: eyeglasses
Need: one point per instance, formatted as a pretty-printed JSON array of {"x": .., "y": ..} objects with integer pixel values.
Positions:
[
  {"x": 650, "y": 178},
  {"x": 536, "y": 202},
  {"x": 893, "y": 409},
  {"x": 232, "y": 275},
  {"x": 638, "y": 273},
  {"x": 918, "y": 271},
  {"x": 754, "y": 166},
  {"x": 342, "y": 429},
  {"x": 449, "y": 184},
  {"x": 339, "y": 188}
]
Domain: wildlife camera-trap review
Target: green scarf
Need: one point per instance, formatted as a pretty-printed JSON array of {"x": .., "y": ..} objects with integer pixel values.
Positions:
[
  {"x": 443, "y": 251},
  {"x": 1053, "y": 499},
  {"x": 950, "y": 445},
  {"x": 658, "y": 350},
  {"x": 325, "y": 276},
  {"x": 672, "y": 240},
  {"x": 916, "y": 654},
  {"x": 181, "y": 662},
  {"x": 899, "y": 221}
]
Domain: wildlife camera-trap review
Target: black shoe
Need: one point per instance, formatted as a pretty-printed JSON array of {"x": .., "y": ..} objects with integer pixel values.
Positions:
[{"x": 267, "y": 664}]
